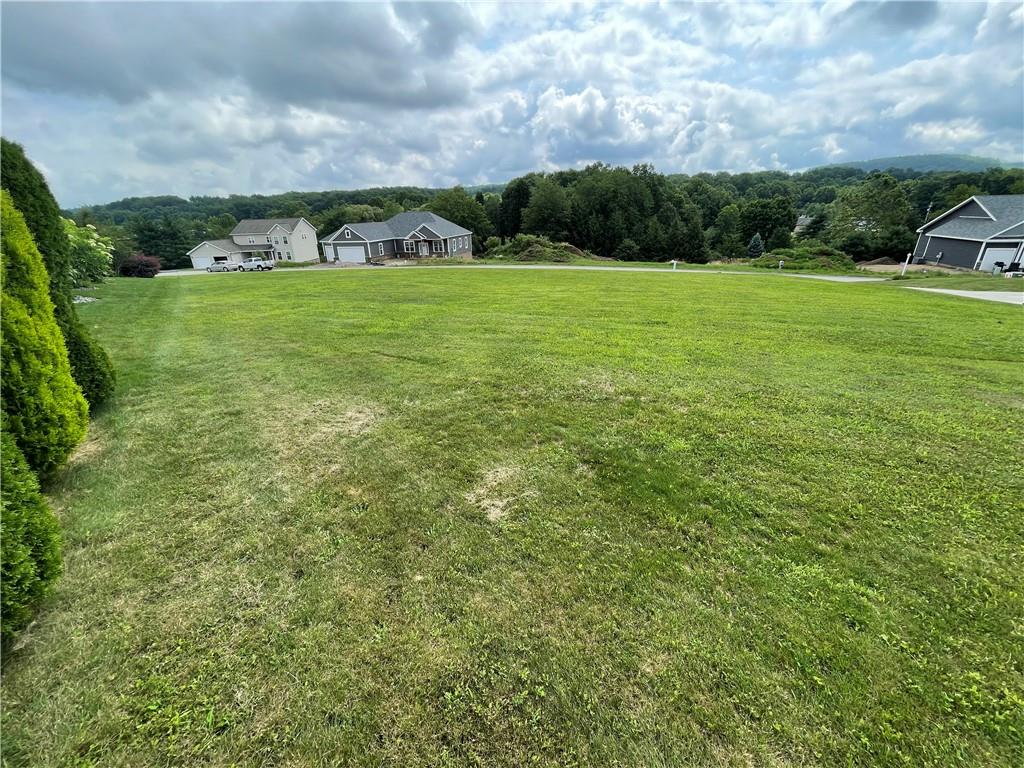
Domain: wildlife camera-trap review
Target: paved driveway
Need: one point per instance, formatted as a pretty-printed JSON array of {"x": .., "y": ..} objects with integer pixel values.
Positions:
[{"x": 1003, "y": 297}]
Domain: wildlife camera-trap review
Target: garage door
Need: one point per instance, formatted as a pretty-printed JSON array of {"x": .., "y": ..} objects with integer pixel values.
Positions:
[
  {"x": 201, "y": 262},
  {"x": 992, "y": 255},
  {"x": 350, "y": 253}
]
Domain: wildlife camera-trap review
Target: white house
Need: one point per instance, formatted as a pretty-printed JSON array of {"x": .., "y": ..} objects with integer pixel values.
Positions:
[{"x": 276, "y": 239}]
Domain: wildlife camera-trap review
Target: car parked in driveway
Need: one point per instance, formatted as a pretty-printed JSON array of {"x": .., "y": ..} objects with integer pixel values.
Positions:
[
  {"x": 223, "y": 266},
  {"x": 255, "y": 264}
]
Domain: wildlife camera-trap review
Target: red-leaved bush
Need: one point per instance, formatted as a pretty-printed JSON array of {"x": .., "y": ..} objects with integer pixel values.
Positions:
[{"x": 140, "y": 265}]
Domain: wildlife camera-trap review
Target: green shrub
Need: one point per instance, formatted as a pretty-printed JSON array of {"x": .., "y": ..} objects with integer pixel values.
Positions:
[
  {"x": 43, "y": 406},
  {"x": 29, "y": 540},
  {"x": 92, "y": 254},
  {"x": 491, "y": 243},
  {"x": 90, "y": 365},
  {"x": 809, "y": 255}
]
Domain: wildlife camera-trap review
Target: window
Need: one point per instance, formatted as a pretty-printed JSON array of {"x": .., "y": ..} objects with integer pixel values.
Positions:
[
  {"x": 276, "y": 241},
  {"x": 380, "y": 249},
  {"x": 252, "y": 241},
  {"x": 348, "y": 233},
  {"x": 277, "y": 254},
  {"x": 288, "y": 254},
  {"x": 303, "y": 235},
  {"x": 409, "y": 246},
  {"x": 438, "y": 246},
  {"x": 268, "y": 238},
  {"x": 285, "y": 238}
]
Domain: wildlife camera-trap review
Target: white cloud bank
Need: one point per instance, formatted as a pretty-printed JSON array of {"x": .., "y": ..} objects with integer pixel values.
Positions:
[{"x": 135, "y": 99}]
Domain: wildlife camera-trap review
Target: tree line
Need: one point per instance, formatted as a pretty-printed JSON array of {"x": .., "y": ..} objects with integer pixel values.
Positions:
[{"x": 626, "y": 213}]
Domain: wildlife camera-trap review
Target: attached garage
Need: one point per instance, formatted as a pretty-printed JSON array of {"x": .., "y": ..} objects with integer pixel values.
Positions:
[
  {"x": 350, "y": 254},
  {"x": 209, "y": 251},
  {"x": 978, "y": 233},
  {"x": 993, "y": 254}
]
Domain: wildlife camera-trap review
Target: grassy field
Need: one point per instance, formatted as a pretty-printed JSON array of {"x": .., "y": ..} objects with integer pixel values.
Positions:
[{"x": 490, "y": 517}]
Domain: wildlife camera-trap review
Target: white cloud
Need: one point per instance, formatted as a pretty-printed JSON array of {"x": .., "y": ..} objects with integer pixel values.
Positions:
[
  {"x": 949, "y": 134},
  {"x": 350, "y": 95}
]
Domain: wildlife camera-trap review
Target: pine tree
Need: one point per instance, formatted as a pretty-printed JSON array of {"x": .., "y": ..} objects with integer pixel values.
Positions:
[{"x": 755, "y": 248}]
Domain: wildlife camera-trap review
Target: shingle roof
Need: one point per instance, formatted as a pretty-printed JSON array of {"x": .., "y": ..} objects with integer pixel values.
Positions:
[
  {"x": 1017, "y": 231},
  {"x": 1008, "y": 211},
  {"x": 401, "y": 225},
  {"x": 225, "y": 245},
  {"x": 231, "y": 246},
  {"x": 263, "y": 226}
]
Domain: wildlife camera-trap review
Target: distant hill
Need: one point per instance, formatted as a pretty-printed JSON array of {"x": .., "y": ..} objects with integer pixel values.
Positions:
[{"x": 926, "y": 163}]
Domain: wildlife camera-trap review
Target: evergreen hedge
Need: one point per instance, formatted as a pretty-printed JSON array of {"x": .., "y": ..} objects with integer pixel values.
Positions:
[
  {"x": 30, "y": 551},
  {"x": 90, "y": 364},
  {"x": 42, "y": 405}
]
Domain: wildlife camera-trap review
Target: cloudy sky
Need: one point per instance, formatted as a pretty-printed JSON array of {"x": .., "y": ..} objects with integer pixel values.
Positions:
[{"x": 118, "y": 99}]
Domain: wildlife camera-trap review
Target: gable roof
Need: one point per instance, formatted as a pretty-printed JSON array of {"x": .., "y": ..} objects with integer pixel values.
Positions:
[
  {"x": 401, "y": 226},
  {"x": 263, "y": 226},
  {"x": 1006, "y": 212},
  {"x": 228, "y": 246}
]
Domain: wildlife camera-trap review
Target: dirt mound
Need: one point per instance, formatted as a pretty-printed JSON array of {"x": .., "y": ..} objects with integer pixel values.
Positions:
[{"x": 884, "y": 261}]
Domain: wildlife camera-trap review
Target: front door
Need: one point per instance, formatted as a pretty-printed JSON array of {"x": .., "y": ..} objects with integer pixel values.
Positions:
[{"x": 423, "y": 248}]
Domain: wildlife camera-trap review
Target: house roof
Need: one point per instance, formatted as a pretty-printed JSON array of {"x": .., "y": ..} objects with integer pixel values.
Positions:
[
  {"x": 401, "y": 226},
  {"x": 1006, "y": 212},
  {"x": 230, "y": 246},
  {"x": 263, "y": 226},
  {"x": 1015, "y": 231}
]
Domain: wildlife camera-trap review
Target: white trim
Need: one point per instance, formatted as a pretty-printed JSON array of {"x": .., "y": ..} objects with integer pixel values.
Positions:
[
  {"x": 968, "y": 239},
  {"x": 424, "y": 226},
  {"x": 997, "y": 234},
  {"x": 380, "y": 248}
]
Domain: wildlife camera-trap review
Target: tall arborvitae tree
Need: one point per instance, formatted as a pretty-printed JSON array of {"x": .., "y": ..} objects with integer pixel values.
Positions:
[
  {"x": 43, "y": 408},
  {"x": 90, "y": 365}
]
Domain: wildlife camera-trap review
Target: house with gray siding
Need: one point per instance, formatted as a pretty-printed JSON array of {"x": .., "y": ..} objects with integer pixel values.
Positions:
[
  {"x": 408, "y": 235},
  {"x": 978, "y": 233}
]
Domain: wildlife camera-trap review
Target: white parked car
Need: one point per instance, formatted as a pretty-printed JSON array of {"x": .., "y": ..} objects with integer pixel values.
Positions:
[
  {"x": 223, "y": 266},
  {"x": 255, "y": 264}
]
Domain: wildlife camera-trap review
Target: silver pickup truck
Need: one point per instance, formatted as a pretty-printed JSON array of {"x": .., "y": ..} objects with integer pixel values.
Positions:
[{"x": 255, "y": 264}]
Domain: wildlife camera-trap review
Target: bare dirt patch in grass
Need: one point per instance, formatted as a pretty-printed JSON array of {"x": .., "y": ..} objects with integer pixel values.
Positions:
[{"x": 494, "y": 494}]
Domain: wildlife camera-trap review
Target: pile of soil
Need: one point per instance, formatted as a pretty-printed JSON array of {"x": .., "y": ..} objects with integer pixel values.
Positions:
[{"x": 884, "y": 261}]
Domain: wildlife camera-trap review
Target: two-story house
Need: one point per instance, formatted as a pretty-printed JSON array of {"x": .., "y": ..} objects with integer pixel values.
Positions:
[{"x": 275, "y": 239}]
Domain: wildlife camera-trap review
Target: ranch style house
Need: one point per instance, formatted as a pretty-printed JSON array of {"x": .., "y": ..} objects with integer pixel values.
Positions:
[
  {"x": 413, "y": 234},
  {"x": 978, "y": 233},
  {"x": 273, "y": 239}
]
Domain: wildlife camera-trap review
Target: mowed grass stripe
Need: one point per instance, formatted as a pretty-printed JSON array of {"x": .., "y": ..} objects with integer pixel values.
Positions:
[{"x": 447, "y": 517}]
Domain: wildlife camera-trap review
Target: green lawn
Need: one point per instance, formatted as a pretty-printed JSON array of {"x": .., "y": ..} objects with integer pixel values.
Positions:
[{"x": 445, "y": 517}]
